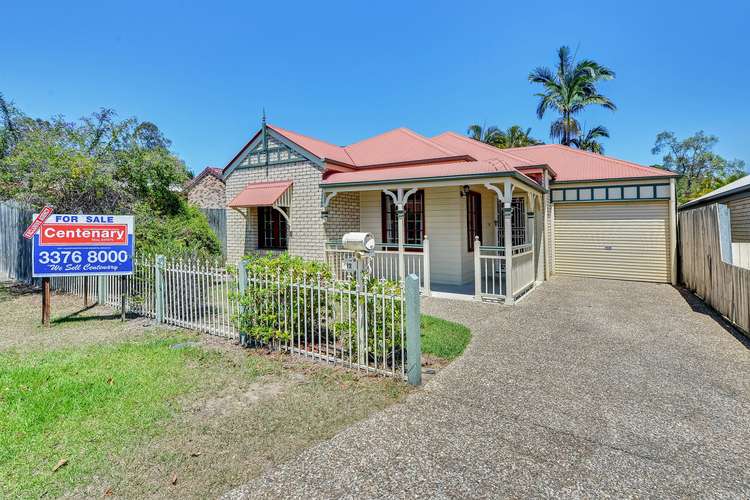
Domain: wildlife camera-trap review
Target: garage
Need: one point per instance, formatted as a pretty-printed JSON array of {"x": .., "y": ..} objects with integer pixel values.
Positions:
[{"x": 625, "y": 240}]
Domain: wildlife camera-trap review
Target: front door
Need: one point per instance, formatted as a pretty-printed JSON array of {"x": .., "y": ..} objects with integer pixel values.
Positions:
[{"x": 473, "y": 218}]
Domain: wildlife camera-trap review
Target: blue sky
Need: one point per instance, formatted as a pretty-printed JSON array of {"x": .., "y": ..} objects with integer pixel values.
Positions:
[{"x": 343, "y": 71}]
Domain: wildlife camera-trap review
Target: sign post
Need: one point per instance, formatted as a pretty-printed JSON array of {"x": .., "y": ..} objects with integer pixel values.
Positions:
[
  {"x": 46, "y": 307},
  {"x": 81, "y": 245}
]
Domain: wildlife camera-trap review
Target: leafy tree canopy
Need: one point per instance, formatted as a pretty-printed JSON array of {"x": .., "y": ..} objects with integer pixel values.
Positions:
[
  {"x": 568, "y": 89},
  {"x": 588, "y": 140},
  {"x": 514, "y": 136},
  {"x": 98, "y": 164},
  {"x": 693, "y": 158}
]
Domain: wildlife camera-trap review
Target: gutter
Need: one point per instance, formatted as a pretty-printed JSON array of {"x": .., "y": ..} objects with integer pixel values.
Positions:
[{"x": 524, "y": 179}]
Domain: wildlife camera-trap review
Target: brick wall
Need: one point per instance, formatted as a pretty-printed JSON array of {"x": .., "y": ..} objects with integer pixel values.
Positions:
[
  {"x": 343, "y": 216},
  {"x": 207, "y": 193},
  {"x": 309, "y": 234}
]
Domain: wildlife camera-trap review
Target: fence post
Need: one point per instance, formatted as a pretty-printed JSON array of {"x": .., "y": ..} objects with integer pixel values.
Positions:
[
  {"x": 159, "y": 287},
  {"x": 426, "y": 265},
  {"x": 101, "y": 289},
  {"x": 413, "y": 331},
  {"x": 477, "y": 268},
  {"x": 242, "y": 287}
]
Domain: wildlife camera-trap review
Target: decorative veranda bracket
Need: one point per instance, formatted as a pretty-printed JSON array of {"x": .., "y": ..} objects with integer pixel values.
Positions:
[{"x": 325, "y": 201}]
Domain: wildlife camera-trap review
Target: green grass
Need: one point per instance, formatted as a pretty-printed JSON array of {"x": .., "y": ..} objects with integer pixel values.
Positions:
[
  {"x": 442, "y": 338},
  {"x": 81, "y": 405}
]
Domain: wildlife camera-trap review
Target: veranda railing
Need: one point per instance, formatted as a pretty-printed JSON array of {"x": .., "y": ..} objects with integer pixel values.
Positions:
[
  {"x": 385, "y": 263},
  {"x": 490, "y": 271}
]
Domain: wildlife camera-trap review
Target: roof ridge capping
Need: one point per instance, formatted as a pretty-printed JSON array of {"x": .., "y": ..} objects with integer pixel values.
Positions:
[
  {"x": 286, "y": 133},
  {"x": 494, "y": 149},
  {"x": 427, "y": 140}
]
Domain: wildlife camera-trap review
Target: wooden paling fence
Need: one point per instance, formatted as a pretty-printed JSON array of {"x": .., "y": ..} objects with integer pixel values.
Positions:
[
  {"x": 705, "y": 263},
  {"x": 217, "y": 219},
  {"x": 15, "y": 251}
]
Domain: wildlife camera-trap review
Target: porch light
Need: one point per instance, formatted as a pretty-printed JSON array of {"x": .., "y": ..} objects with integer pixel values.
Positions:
[{"x": 464, "y": 191}]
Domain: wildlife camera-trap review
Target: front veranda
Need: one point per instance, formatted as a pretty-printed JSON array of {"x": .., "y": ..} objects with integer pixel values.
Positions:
[{"x": 434, "y": 228}]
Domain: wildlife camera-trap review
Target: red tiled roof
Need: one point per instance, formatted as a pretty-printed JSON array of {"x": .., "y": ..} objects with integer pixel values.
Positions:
[
  {"x": 400, "y": 145},
  {"x": 572, "y": 164},
  {"x": 319, "y": 148},
  {"x": 260, "y": 194},
  {"x": 416, "y": 155},
  {"x": 423, "y": 171},
  {"x": 215, "y": 171}
]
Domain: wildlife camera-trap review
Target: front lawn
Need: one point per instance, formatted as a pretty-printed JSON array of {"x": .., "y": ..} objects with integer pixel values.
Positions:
[
  {"x": 80, "y": 405},
  {"x": 444, "y": 339},
  {"x": 94, "y": 407}
]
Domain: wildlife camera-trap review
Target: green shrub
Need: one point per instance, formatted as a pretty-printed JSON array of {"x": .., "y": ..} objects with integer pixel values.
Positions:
[
  {"x": 383, "y": 341},
  {"x": 186, "y": 233},
  {"x": 286, "y": 297},
  {"x": 277, "y": 299}
]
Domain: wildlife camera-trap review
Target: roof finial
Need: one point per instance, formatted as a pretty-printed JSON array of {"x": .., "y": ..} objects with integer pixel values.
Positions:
[{"x": 264, "y": 117}]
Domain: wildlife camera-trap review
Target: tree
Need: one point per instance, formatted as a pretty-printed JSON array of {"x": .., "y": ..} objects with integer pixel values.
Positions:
[
  {"x": 481, "y": 133},
  {"x": 569, "y": 90},
  {"x": 516, "y": 137},
  {"x": 587, "y": 140},
  {"x": 701, "y": 169},
  {"x": 101, "y": 164},
  {"x": 512, "y": 137}
]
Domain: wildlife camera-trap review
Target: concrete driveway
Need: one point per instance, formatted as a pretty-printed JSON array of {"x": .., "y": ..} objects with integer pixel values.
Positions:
[{"x": 587, "y": 388}]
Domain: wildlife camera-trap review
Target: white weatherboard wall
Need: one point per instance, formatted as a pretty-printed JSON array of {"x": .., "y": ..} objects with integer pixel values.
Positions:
[
  {"x": 443, "y": 216},
  {"x": 619, "y": 240},
  {"x": 489, "y": 229}
]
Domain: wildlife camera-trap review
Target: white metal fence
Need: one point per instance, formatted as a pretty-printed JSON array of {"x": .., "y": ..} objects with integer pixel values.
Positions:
[
  {"x": 327, "y": 319},
  {"x": 317, "y": 317}
]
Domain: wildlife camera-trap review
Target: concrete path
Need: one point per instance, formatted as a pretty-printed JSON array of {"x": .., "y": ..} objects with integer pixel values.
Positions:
[{"x": 587, "y": 388}]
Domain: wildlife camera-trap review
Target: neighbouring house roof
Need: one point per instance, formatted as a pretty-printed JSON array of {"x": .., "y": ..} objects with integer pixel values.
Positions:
[
  {"x": 736, "y": 187},
  {"x": 260, "y": 194},
  {"x": 450, "y": 154},
  {"x": 213, "y": 171}
]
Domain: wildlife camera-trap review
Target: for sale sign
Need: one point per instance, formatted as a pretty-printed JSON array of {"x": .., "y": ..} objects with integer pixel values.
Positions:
[{"x": 82, "y": 245}]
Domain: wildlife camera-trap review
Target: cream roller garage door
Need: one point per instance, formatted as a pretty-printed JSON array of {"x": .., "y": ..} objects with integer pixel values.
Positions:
[{"x": 628, "y": 240}]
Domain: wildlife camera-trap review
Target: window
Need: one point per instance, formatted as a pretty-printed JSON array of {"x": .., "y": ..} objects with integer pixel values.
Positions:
[
  {"x": 271, "y": 229},
  {"x": 413, "y": 219},
  {"x": 518, "y": 223},
  {"x": 473, "y": 218}
]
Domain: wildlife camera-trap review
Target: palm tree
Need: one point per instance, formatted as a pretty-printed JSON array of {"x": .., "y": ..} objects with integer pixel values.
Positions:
[
  {"x": 568, "y": 91},
  {"x": 482, "y": 133},
  {"x": 516, "y": 137},
  {"x": 587, "y": 139}
]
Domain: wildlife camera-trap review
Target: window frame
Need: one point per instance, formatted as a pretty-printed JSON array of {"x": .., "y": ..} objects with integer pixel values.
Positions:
[
  {"x": 279, "y": 241},
  {"x": 518, "y": 204},
  {"x": 388, "y": 216}
]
